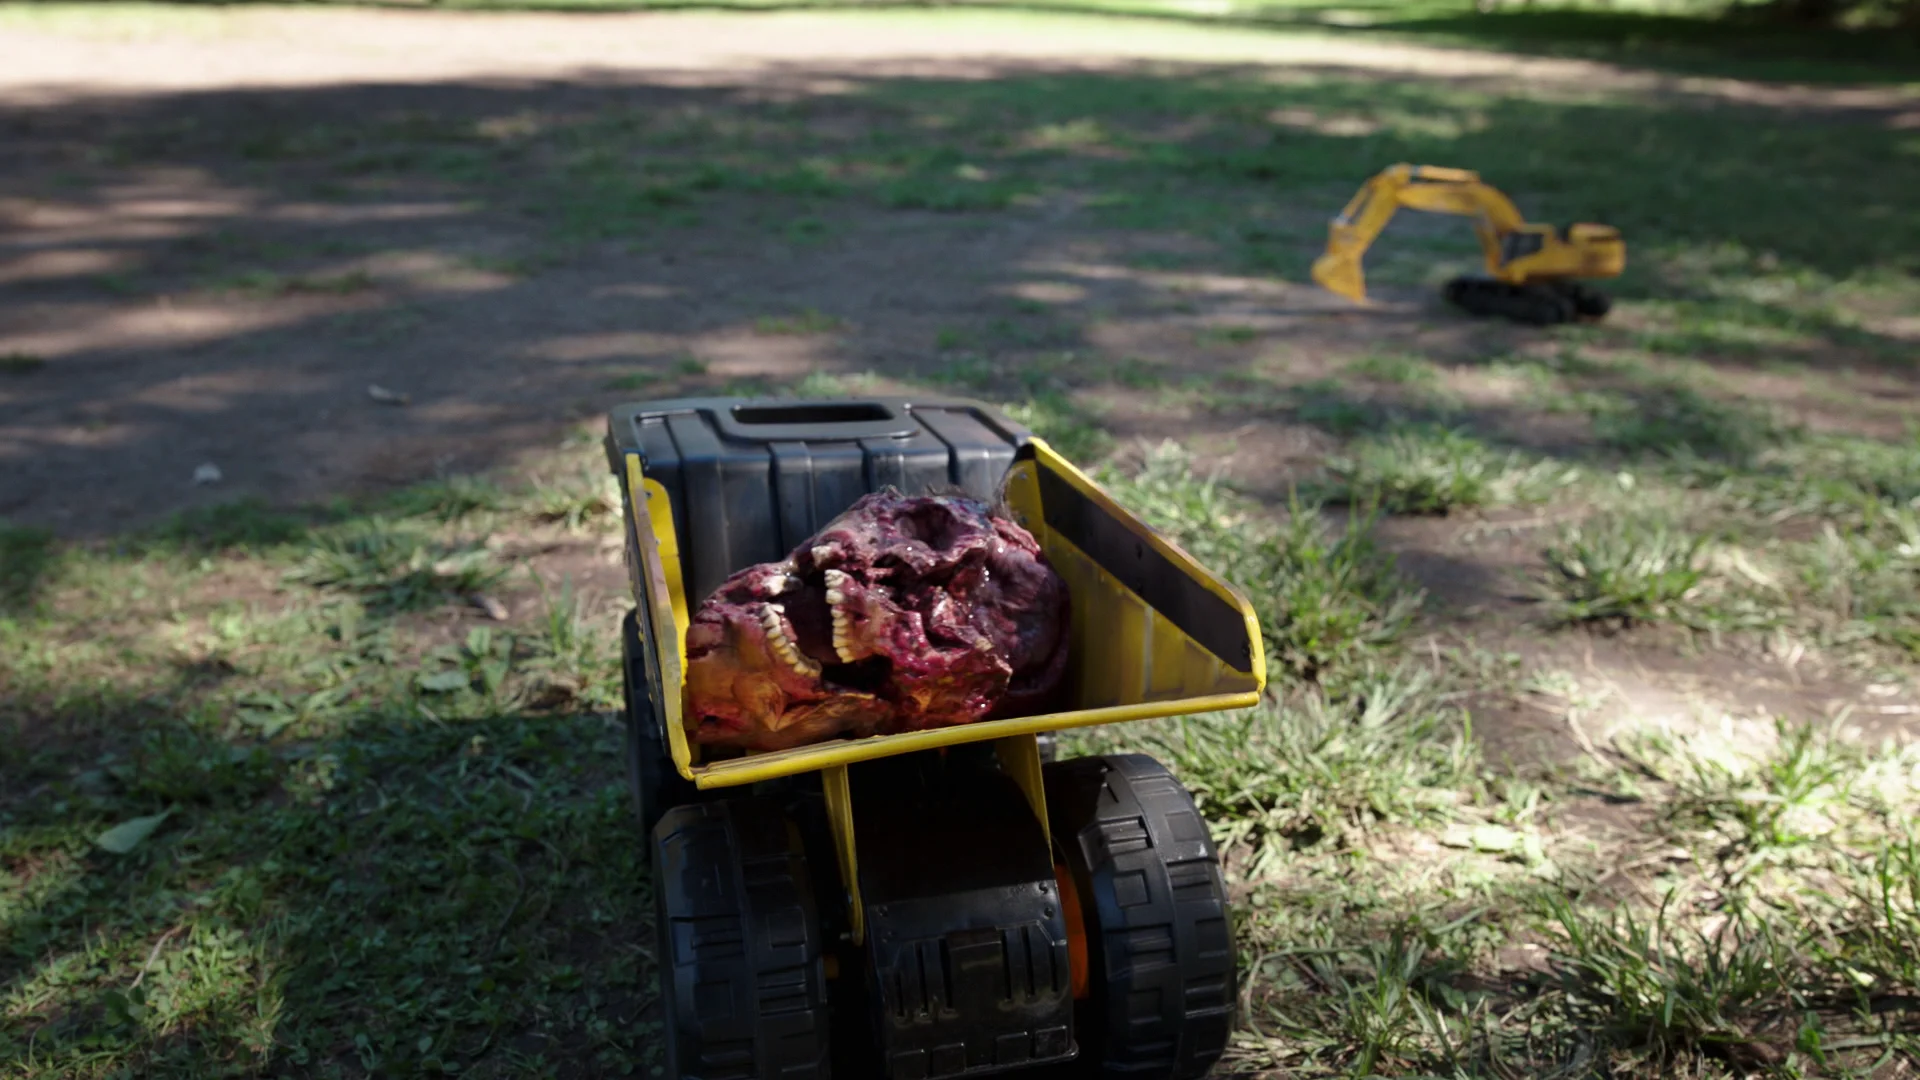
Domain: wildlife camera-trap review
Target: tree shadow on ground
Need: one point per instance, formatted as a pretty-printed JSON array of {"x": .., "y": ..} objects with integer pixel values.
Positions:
[
  {"x": 401, "y": 885},
  {"x": 225, "y": 277},
  {"x": 380, "y": 865}
]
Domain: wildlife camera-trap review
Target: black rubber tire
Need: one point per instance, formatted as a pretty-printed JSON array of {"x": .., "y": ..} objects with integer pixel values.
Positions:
[
  {"x": 1159, "y": 935},
  {"x": 743, "y": 990},
  {"x": 652, "y": 780}
]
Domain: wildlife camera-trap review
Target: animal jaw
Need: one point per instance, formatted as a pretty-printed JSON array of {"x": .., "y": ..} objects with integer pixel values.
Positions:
[{"x": 904, "y": 613}]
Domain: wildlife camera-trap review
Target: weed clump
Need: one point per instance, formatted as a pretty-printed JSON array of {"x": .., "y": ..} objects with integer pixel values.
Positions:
[
  {"x": 1423, "y": 470},
  {"x": 1626, "y": 570}
]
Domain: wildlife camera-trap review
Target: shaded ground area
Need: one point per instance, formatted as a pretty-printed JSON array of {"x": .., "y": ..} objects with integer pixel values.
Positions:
[{"x": 383, "y": 272}]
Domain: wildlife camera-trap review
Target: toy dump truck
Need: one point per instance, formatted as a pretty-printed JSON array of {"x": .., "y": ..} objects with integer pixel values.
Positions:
[{"x": 934, "y": 903}]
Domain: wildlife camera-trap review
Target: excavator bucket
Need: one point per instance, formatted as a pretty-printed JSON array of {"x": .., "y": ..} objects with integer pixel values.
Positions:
[{"x": 1339, "y": 272}]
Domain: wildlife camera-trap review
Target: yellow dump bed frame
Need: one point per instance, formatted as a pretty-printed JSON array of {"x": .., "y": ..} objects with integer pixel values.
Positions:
[{"x": 1153, "y": 634}]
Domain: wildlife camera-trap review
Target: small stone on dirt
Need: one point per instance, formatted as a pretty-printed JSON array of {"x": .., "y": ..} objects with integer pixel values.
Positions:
[
  {"x": 208, "y": 473},
  {"x": 387, "y": 397}
]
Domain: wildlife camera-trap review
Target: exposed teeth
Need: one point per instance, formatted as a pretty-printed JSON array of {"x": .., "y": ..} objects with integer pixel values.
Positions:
[
  {"x": 841, "y": 646},
  {"x": 783, "y": 645},
  {"x": 842, "y": 622}
]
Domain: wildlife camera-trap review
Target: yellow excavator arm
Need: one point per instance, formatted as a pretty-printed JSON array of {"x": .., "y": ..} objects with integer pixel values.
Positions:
[
  {"x": 1422, "y": 187},
  {"x": 1517, "y": 253}
]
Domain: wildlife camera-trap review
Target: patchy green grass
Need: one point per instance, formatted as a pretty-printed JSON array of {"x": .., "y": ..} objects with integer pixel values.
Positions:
[
  {"x": 1627, "y": 569},
  {"x": 1434, "y": 471},
  {"x": 288, "y": 795},
  {"x": 299, "y": 836}
]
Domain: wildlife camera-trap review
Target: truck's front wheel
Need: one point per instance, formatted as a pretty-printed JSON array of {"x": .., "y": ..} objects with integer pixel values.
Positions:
[{"x": 1160, "y": 980}]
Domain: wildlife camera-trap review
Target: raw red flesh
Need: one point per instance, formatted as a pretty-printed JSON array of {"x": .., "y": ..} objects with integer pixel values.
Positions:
[{"x": 904, "y": 613}]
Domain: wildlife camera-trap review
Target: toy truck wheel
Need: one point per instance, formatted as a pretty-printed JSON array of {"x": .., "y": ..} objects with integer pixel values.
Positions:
[
  {"x": 653, "y": 781},
  {"x": 1160, "y": 959},
  {"x": 742, "y": 982}
]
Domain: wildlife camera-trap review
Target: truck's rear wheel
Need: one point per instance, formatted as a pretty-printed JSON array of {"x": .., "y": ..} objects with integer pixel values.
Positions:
[
  {"x": 742, "y": 981},
  {"x": 1159, "y": 943}
]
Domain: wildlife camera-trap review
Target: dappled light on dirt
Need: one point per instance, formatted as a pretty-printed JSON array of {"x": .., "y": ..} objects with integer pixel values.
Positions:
[{"x": 310, "y": 572}]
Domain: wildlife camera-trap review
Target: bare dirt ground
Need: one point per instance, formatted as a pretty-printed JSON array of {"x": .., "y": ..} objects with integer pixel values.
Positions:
[{"x": 133, "y": 290}]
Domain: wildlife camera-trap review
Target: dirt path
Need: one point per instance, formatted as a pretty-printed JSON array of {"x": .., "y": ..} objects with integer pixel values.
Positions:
[{"x": 260, "y": 48}]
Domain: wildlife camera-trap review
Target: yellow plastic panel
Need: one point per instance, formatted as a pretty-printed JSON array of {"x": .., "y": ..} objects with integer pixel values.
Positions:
[
  {"x": 839, "y": 797},
  {"x": 666, "y": 603},
  {"x": 1128, "y": 661}
]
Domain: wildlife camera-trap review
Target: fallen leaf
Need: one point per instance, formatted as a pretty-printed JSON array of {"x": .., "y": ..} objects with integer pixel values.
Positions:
[{"x": 128, "y": 835}]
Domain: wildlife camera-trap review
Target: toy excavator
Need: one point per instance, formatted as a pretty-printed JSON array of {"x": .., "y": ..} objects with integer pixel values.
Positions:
[{"x": 1534, "y": 271}]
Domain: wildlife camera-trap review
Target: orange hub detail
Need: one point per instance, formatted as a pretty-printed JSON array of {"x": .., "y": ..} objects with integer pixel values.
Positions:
[{"x": 1076, "y": 932}]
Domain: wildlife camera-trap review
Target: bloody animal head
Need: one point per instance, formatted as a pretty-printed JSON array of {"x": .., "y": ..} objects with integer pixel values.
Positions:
[{"x": 904, "y": 613}]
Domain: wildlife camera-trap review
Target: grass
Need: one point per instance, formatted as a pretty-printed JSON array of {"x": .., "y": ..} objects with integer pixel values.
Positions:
[
  {"x": 284, "y": 797},
  {"x": 1435, "y": 471},
  {"x": 393, "y": 565},
  {"x": 354, "y": 842},
  {"x": 1325, "y": 599},
  {"x": 1628, "y": 570},
  {"x": 1377, "y": 749}
]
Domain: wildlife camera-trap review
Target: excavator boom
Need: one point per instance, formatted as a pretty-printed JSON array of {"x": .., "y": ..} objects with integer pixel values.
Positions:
[{"x": 1518, "y": 255}]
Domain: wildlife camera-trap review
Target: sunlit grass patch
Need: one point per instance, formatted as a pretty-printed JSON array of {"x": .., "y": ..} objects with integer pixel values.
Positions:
[
  {"x": 1324, "y": 767},
  {"x": 452, "y": 499},
  {"x": 573, "y": 499},
  {"x": 1846, "y": 479},
  {"x": 1425, "y": 470},
  {"x": 1627, "y": 569},
  {"x": 1866, "y": 584}
]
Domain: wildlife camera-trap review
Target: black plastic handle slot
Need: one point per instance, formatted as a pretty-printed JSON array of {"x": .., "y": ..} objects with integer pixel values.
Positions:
[
  {"x": 803, "y": 421},
  {"x": 833, "y": 412}
]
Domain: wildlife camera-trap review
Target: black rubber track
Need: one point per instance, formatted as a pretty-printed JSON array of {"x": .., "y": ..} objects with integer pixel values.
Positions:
[
  {"x": 1588, "y": 302},
  {"x": 742, "y": 986},
  {"x": 1533, "y": 305},
  {"x": 652, "y": 780},
  {"x": 1159, "y": 938}
]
